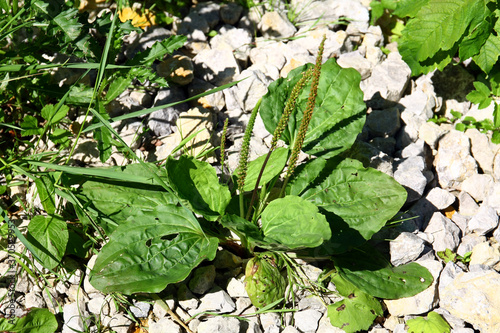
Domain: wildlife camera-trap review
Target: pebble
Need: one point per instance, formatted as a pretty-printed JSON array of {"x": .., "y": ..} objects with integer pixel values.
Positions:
[
  {"x": 405, "y": 248},
  {"x": 219, "y": 324},
  {"x": 484, "y": 221},
  {"x": 443, "y": 232},
  {"x": 217, "y": 301}
]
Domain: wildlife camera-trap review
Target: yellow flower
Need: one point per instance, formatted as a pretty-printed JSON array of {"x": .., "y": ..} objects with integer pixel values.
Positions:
[{"x": 139, "y": 19}]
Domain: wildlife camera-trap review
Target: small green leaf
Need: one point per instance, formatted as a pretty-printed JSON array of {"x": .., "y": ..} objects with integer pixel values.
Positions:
[
  {"x": 117, "y": 86},
  {"x": 488, "y": 54},
  {"x": 447, "y": 255},
  {"x": 294, "y": 223},
  {"x": 49, "y": 236},
  {"x": 67, "y": 22},
  {"x": 197, "y": 183},
  {"x": 29, "y": 126},
  {"x": 434, "y": 323},
  {"x": 274, "y": 166},
  {"x": 157, "y": 51},
  {"x": 46, "y": 192},
  {"x": 152, "y": 249},
  {"x": 456, "y": 114},
  {"x": 356, "y": 311},
  {"x": 54, "y": 115},
  {"x": 496, "y": 116},
  {"x": 495, "y": 137},
  {"x": 460, "y": 127},
  {"x": 35, "y": 321},
  {"x": 481, "y": 95}
]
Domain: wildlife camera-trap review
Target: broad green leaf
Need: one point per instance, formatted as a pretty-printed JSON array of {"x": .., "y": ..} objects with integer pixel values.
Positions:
[
  {"x": 373, "y": 274},
  {"x": 197, "y": 183},
  {"x": 481, "y": 95},
  {"x": 274, "y": 166},
  {"x": 472, "y": 43},
  {"x": 488, "y": 54},
  {"x": 117, "y": 200},
  {"x": 54, "y": 115},
  {"x": 356, "y": 311},
  {"x": 434, "y": 323},
  {"x": 46, "y": 192},
  {"x": 49, "y": 236},
  {"x": 339, "y": 114},
  {"x": 29, "y": 126},
  {"x": 294, "y": 223},
  {"x": 409, "y": 8},
  {"x": 76, "y": 245},
  {"x": 35, "y": 321},
  {"x": 80, "y": 95},
  {"x": 305, "y": 175},
  {"x": 117, "y": 86},
  {"x": 364, "y": 198},
  {"x": 438, "y": 25},
  {"x": 60, "y": 136},
  {"x": 151, "y": 250},
  {"x": 495, "y": 137},
  {"x": 67, "y": 22}
]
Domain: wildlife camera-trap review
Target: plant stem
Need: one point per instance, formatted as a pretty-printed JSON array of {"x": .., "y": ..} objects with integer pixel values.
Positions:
[{"x": 174, "y": 315}]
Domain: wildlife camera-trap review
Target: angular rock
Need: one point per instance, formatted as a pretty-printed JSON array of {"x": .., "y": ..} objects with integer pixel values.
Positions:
[
  {"x": 34, "y": 300},
  {"x": 478, "y": 186},
  {"x": 311, "y": 39},
  {"x": 383, "y": 123},
  {"x": 440, "y": 198},
  {"x": 214, "y": 101},
  {"x": 473, "y": 297},
  {"x": 220, "y": 324},
  {"x": 431, "y": 133},
  {"x": 419, "y": 103},
  {"x": 445, "y": 233},
  {"x": 186, "y": 298},
  {"x": 410, "y": 174},
  {"x": 405, "y": 248},
  {"x": 217, "y": 301},
  {"x": 307, "y": 320},
  {"x": 118, "y": 323},
  {"x": 236, "y": 40},
  {"x": 448, "y": 274},
  {"x": 74, "y": 316},
  {"x": 468, "y": 242},
  {"x": 453, "y": 161},
  {"x": 467, "y": 205},
  {"x": 485, "y": 254},
  {"x": 389, "y": 79},
  {"x": 178, "y": 69},
  {"x": 485, "y": 220},
  {"x": 209, "y": 11},
  {"x": 230, "y": 12},
  {"x": 275, "y": 24},
  {"x": 195, "y": 120},
  {"x": 203, "y": 279},
  {"x": 423, "y": 301},
  {"x": 270, "y": 322},
  {"x": 482, "y": 149},
  {"x": 236, "y": 287},
  {"x": 162, "y": 121},
  {"x": 100, "y": 306},
  {"x": 140, "y": 309},
  {"x": 164, "y": 325},
  {"x": 216, "y": 66},
  {"x": 194, "y": 26},
  {"x": 269, "y": 52}
]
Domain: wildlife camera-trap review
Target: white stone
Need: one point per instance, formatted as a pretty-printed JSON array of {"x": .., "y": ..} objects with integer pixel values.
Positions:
[
  {"x": 445, "y": 233},
  {"x": 453, "y": 161},
  {"x": 474, "y": 298},
  {"x": 440, "y": 198},
  {"x": 478, "y": 186},
  {"x": 275, "y": 24},
  {"x": 468, "y": 242},
  {"x": 405, "y": 248},
  {"x": 164, "y": 325},
  {"x": 431, "y": 133},
  {"x": 307, "y": 320},
  {"x": 236, "y": 287},
  {"x": 485, "y": 220},
  {"x": 218, "y": 301},
  {"x": 216, "y": 66},
  {"x": 74, "y": 317},
  {"x": 467, "y": 205},
  {"x": 485, "y": 254}
]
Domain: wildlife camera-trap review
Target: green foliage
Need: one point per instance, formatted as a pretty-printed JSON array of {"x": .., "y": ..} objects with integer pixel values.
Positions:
[
  {"x": 36, "y": 321},
  {"x": 434, "y": 323},
  {"x": 152, "y": 249},
  {"x": 49, "y": 236},
  {"x": 356, "y": 311},
  {"x": 448, "y": 255}
]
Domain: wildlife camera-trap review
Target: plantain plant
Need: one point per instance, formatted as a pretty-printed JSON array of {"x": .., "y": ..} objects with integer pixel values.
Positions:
[{"x": 163, "y": 221}]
